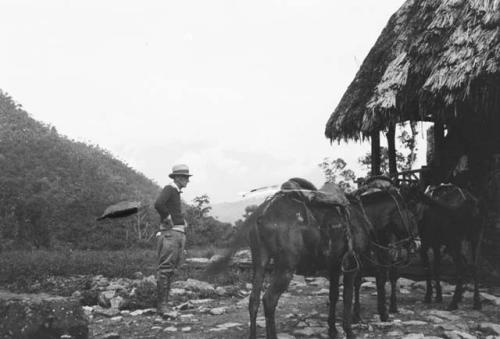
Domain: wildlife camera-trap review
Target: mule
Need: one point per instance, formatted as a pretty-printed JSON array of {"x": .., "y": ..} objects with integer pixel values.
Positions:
[
  {"x": 447, "y": 217},
  {"x": 291, "y": 230},
  {"x": 283, "y": 229},
  {"x": 394, "y": 232}
]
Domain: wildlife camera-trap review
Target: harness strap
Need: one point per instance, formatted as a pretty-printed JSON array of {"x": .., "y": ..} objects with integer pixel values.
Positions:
[
  {"x": 392, "y": 246},
  {"x": 398, "y": 264},
  {"x": 344, "y": 212},
  {"x": 351, "y": 253},
  {"x": 405, "y": 220}
]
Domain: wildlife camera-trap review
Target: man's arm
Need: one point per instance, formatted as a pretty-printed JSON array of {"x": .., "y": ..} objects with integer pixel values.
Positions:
[{"x": 161, "y": 203}]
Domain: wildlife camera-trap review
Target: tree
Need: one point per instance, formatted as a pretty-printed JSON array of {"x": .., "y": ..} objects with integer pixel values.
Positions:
[
  {"x": 201, "y": 203},
  {"x": 408, "y": 141},
  {"x": 203, "y": 229},
  {"x": 335, "y": 171},
  {"x": 248, "y": 211},
  {"x": 142, "y": 227}
]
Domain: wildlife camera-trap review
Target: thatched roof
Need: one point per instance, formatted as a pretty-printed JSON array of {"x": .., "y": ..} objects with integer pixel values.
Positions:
[{"x": 435, "y": 59}]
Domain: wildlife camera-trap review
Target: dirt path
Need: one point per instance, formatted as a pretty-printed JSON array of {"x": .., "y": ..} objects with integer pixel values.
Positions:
[{"x": 302, "y": 313}]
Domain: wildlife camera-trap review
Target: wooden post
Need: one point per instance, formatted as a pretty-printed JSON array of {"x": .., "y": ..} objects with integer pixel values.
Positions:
[
  {"x": 438, "y": 172},
  {"x": 391, "y": 147},
  {"x": 438, "y": 147},
  {"x": 438, "y": 143},
  {"x": 375, "y": 137}
]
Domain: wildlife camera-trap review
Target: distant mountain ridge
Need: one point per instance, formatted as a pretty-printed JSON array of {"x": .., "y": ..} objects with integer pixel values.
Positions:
[{"x": 233, "y": 211}]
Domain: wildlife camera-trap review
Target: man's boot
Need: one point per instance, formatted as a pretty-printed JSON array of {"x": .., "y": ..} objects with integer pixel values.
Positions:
[{"x": 163, "y": 290}]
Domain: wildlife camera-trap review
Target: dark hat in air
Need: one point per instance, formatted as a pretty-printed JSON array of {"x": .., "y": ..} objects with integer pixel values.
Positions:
[{"x": 120, "y": 210}]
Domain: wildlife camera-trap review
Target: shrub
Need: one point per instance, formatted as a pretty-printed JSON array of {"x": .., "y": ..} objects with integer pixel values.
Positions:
[{"x": 144, "y": 296}]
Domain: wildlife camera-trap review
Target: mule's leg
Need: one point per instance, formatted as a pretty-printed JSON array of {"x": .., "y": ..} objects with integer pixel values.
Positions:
[
  {"x": 356, "y": 316},
  {"x": 381, "y": 279},
  {"x": 279, "y": 283},
  {"x": 348, "y": 292},
  {"x": 334, "y": 272},
  {"x": 476, "y": 249},
  {"x": 436, "y": 252},
  {"x": 424, "y": 256},
  {"x": 458, "y": 259},
  {"x": 393, "y": 277},
  {"x": 259, "y": 265}
]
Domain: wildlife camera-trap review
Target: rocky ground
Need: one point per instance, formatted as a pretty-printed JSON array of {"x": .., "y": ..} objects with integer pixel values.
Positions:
[
  {"x": 302, "y": 313},
  {"x": 122, "y": 308}
]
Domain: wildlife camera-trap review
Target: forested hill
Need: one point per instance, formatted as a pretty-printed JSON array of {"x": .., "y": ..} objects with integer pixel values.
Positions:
[{"x": 52, "y": 188}]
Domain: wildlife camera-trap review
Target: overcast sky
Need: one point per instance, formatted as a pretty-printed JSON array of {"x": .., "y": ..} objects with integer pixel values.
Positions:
[{"x": 238, "y": 90}]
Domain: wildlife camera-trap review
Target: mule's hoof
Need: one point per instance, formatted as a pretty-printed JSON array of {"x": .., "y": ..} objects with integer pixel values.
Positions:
[{"x": 332, "y": 334}]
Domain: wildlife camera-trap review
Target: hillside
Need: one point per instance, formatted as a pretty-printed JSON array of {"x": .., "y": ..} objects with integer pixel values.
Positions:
[{"x": 53, "y": 188}]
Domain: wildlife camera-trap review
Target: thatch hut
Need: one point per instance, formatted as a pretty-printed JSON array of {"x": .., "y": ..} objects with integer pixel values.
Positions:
[{"x": 437, "y": 61}]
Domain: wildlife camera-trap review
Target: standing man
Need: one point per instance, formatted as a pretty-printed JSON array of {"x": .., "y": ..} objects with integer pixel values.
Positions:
[{"x": 171, "y": 238}]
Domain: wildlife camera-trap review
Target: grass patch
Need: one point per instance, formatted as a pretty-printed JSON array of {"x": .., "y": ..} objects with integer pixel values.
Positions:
[
  {"x": 17, "y": 266},
  {"x": 21, "y": 269}
]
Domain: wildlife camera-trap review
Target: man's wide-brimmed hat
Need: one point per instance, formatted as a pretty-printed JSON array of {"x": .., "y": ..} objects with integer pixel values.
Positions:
[{"x": 181, "y": 170}]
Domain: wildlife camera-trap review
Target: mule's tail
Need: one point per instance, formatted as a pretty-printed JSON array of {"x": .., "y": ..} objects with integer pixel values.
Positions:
[
  {"x": 239, "y": 240},
  {"x": 221, "y": 264}
]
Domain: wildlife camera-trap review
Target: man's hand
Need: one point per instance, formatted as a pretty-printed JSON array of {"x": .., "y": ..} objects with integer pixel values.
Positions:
[{"x": 182, "y": 260}]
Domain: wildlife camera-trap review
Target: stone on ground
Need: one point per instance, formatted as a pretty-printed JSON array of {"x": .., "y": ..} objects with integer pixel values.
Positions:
[
  {"x": 41, "y": 316},
  {"x": 414, "y": 336},
  {"x": 490, "y": 328},
  {"x": 111, "y": 335}
]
